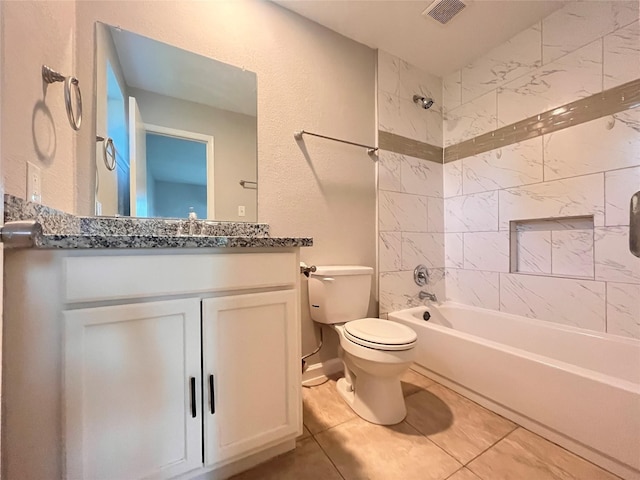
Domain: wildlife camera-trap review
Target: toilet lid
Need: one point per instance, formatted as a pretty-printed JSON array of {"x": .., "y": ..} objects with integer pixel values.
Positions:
[{"x": 380, "y": 334}]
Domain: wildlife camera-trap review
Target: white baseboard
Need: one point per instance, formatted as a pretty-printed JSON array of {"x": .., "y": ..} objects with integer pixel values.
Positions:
[{"x": 319, "y": 372}]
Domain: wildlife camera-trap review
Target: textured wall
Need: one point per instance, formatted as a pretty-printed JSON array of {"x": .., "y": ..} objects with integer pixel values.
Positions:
[
  {"x": 571, "y": 272},
  {"x": 34, "y": 119}
]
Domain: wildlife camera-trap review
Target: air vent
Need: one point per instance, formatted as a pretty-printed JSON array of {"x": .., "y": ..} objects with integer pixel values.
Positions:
[{"x": 444, "y": 10}]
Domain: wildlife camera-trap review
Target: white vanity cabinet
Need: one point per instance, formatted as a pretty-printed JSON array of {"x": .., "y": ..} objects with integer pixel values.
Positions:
[
  {"x": 145, "y": 365},
  {"x": 250, "y": 398},
  {"x": 132, "y": 390}
]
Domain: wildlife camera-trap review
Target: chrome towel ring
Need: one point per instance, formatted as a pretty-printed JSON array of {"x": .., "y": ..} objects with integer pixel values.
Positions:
[
  {"x": 51, "y": 76},
  {"x": 108, "y": 152}
]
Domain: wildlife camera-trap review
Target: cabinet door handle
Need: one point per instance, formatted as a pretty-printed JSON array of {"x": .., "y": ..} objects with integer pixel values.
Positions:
[
  {"x": 192, "y": 381},
  {"x": 212, "y": 395}
]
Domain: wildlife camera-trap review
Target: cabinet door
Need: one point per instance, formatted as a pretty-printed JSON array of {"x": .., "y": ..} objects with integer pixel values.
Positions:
[
  {"x": 251, "y": 367},
  {"x": 129, "y": 375}
]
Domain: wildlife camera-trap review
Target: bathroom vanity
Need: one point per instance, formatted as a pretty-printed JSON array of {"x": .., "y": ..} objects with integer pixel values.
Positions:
[{"x": 155, "y": 362}]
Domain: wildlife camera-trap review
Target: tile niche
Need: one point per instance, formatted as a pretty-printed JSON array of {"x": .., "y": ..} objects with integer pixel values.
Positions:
[{"x": 557, "y": 247}]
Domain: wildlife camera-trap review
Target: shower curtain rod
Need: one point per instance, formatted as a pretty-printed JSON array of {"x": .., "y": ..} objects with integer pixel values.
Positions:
[{"x": 298, "y": 136}]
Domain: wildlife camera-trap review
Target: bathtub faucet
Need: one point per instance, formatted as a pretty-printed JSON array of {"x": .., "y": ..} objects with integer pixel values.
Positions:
[{"x": 429, "y": 296}]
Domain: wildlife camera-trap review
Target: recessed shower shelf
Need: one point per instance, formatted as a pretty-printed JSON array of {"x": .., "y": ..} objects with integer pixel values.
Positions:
[{"x": 555, "y": 247}]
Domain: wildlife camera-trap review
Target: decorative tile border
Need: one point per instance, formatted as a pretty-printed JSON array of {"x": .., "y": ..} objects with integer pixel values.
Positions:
[
  {"x": 608, "y": 102},
  {"x": 407, "y": 146}
]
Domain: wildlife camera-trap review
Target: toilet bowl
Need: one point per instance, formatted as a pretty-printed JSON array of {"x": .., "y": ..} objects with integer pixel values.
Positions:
[{"x": 375, "y": 352}]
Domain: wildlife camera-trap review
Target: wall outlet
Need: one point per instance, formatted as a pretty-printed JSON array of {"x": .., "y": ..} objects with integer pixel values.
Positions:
[
  {"x": 241, "y": 211},
  {"x": 34, "y": 183},
  {"x": 98, "y": 208}
]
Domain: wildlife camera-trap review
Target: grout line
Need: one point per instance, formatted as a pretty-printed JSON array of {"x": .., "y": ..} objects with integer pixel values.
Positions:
[
  {"x": 517, "y": 425},
  {"x": 328, "y": 457}
]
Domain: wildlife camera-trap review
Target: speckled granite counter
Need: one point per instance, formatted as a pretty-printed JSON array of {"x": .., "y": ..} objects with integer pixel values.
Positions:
[{"x": 63, "y": 230}]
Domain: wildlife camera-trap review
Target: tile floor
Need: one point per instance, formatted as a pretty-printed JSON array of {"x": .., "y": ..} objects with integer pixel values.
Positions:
[{"x": 445, "y": 436}]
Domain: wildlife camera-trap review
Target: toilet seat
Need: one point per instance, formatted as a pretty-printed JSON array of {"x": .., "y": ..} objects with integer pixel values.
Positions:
[{"x": 380, "y": 334}]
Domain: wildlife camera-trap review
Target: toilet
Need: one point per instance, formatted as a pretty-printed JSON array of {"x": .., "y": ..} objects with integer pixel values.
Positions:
[{"x": 375, "y": 352}]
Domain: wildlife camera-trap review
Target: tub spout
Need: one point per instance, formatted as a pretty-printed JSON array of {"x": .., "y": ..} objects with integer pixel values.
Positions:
[{"x": 428, "y": 296}]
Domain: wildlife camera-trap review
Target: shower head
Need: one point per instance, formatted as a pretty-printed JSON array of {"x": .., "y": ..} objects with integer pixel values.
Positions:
[{"x": 425, "y": 103}]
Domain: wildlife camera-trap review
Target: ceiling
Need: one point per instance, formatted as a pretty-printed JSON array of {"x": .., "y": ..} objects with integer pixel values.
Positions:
[
  {"x": 190, "y": 77},
  {"x": 398, "y": 27}
]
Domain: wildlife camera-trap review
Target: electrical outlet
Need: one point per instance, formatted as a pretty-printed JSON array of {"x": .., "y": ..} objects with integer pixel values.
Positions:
[
  {"x": 98, "y": 208},
  {"x": 34, "y": 183},
  {"x": 241, "y": 212}
]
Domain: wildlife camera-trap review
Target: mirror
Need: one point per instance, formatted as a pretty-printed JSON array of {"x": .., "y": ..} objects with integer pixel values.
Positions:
[{"x": 176, "y": 132}]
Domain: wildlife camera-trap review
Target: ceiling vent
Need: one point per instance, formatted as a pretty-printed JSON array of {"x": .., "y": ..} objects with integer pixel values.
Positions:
[{"x": 444, "y": 10}]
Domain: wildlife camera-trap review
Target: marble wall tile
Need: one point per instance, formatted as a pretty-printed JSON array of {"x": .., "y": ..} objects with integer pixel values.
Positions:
[
  {"x": 517, "y": 56},
  {"x": 579, "y": 23},
  {"x": 421, "y": 177},
  {"x": 619, "y": 187},
  {"x": 621, "y": 54},
  {"x": 389, "y": 73},
  {"x": 578, "y": 196},
  {"x": 473, "y": 287},
  {"x": 470, "y": 119},
  {"x": 435, "y": 134},
  {"x": 472, "y": 213},
  {"x": 623, "y": 309},
  {"x": 422, "y": 248},
  {"x": 487, "y": 251},
  {"x": 402, "y": 212},
  {"x": 452, "y": 90},
  {"x": 607, "y": 143},
  {"x": 569, "y": 78},
  {"x": 390, "y": 250},
  {"x": 454, "y": 250},
  {"x": 389, "y": 171},
  {"x": 614, "y": 261},
  {"x": 580, "y": 303},
  {"x": 401, "y": 116},
  {"x": 572, "y": 253},
  {"x": 533, "y": 251},
  {"x": 510, "y": 166},
  {"x": 452, "y": 173},
  {"x": 398, "y": 291},
  {"x": 436, "y": 215}
]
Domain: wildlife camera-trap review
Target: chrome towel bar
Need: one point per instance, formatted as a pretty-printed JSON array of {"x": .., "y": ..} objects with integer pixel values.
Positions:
[{"x": 370, "y": 150}]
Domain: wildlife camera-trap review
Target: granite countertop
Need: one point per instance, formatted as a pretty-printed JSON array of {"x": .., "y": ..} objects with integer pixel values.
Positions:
[{"x": 60, "y": 230}]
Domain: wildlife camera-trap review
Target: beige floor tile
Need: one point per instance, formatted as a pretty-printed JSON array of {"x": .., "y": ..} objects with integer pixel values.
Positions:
[
  {"x": 461, "y": 427},
  {"x": 523, "y": 454},
  {"x": 362, "y": 450},
  {"x": 323, "y": 407},
  {"x": 307, "y": 461},
  {"x": 413, "y": 382},
  {"x": 464, "y": 474}
]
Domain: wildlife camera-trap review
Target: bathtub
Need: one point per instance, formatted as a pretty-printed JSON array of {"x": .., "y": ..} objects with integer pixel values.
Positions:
[{"x": 578, "y": 388}]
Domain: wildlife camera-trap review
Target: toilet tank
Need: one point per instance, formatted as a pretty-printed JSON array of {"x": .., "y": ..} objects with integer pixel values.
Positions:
[{"x": 339, "y": 293}]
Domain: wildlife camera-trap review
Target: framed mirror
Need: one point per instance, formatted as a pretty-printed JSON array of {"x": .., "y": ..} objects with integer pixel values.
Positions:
[{"x": 176, "y": 132}]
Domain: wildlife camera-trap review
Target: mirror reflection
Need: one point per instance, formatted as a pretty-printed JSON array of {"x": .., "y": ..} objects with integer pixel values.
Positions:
[{"x": 176, "y": 132}]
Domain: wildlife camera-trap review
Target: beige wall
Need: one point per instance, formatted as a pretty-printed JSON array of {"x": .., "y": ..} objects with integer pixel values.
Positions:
[
  {"x": 308, "y": 77},
  {"x": 234, "y": 137},
  {"x": 35, "y": 125}
]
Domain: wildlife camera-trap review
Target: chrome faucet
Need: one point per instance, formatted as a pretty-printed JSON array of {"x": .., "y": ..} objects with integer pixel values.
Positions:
[{"x": 428, "y": 296}]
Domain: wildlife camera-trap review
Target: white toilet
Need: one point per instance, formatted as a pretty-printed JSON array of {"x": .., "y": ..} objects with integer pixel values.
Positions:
[{"x": 375, "y": 352}]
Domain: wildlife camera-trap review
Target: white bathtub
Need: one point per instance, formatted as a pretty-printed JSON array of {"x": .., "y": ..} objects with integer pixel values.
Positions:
[{"x": 578, "y": 388}]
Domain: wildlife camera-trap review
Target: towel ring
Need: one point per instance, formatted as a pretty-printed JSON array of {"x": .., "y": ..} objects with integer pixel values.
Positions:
[
  {"x": 108, "y": 152},
  {"x": 51, "y": 76}
]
